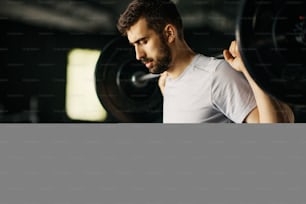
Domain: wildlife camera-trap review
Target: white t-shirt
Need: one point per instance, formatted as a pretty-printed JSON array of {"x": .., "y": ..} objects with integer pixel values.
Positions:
[{"x": 208, "y": 90}]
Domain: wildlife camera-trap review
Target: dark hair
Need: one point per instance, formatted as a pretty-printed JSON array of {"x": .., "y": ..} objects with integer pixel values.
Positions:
[{"x": 158, "y": 13}]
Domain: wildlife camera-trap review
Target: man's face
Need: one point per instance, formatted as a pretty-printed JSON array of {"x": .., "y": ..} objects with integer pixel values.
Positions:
[{"x": 151, "y": 48}]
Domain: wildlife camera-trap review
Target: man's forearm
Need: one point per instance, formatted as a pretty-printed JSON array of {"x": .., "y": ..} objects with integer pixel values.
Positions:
[{"x": 270, "y": 110}]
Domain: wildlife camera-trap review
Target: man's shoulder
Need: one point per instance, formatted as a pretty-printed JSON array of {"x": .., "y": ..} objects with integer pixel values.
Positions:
[{"x": 208, "y": 64}]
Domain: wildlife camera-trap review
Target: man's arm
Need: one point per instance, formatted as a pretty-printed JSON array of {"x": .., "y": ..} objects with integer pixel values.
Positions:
[{"x": 268, "y": 110}]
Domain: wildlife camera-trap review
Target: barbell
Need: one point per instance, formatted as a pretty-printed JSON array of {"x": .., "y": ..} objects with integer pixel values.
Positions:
[
  {"x": 272, "y": 42},
  {"x": 271, "y": 39}
]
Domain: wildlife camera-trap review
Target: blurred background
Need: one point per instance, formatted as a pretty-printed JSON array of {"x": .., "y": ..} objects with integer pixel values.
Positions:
[{"x": 49, "y": 48}]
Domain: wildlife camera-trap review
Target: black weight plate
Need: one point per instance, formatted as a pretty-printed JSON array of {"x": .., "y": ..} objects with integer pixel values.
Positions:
[
  {"x": 271, "y": 39},
  {"x": 116, "y": 91}
]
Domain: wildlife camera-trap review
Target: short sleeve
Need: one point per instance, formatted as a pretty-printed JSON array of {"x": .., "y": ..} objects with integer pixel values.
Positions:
[{"x": 231, "y": 93}]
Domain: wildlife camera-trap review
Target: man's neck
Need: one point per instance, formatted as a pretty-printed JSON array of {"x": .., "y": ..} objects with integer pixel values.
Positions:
[{"x": 182, "y": 57}]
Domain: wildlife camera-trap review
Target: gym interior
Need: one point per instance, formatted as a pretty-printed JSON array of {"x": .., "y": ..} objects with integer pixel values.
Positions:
[{"x": 49, "y": 51}]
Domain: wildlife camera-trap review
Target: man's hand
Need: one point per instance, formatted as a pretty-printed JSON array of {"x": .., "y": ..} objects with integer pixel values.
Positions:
[
  {"x": 269, "y": 109},
  {"x": 232, "y": 56},
  {"x": 162, "y": 81}
]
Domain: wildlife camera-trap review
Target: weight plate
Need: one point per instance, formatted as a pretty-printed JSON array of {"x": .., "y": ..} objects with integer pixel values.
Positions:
[
  {"x": 125, "y": 100},
  {"x": 271, "y": 39}
]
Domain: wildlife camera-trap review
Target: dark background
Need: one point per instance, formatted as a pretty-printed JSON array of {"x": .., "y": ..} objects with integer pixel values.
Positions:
[{"x": 36, "y": 36}]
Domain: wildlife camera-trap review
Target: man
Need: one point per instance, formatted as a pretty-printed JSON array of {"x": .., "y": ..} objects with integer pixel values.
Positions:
[{"x": 196, "y": 88}]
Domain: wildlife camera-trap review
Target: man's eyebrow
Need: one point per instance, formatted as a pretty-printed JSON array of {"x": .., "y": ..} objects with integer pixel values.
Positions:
[{"x": 137, "y": 41}]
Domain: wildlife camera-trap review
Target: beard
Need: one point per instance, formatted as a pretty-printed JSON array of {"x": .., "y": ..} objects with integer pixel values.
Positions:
[{"x": 163, "y": 61}]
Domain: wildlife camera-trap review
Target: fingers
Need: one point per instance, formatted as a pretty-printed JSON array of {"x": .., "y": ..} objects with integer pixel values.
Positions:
[
  {"x": 233, "y": 49},
  {"x": 232, "y": 56},
  {"x": 231, "y": 53},
  {"x": 228, "y": 56},
  {"x": 230, "y": 59}
]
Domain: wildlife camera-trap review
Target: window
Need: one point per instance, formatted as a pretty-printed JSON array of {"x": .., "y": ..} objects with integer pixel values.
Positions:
[{"x": 82, "y": 102}]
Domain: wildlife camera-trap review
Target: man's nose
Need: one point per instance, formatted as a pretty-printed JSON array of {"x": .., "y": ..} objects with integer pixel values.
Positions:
[{"x": 139, "y": 52}]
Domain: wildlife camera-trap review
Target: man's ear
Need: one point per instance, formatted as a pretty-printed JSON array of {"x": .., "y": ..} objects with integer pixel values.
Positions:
[{"x": 170, "y": 33}]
